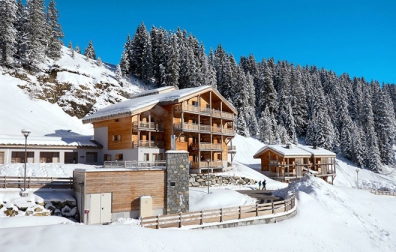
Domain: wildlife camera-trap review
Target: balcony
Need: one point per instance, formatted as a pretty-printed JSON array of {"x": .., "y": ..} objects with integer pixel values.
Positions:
[
  {"x": 203, "y": 128},
  {"x": 231, "y": 149},
  {"x": 204, "y": 146},
  {"x": 150, "y": 126},
  {"x": 148, "y": 144},
  {"x": 207, "y": 111},
  {"x": 204, "y": 165}
]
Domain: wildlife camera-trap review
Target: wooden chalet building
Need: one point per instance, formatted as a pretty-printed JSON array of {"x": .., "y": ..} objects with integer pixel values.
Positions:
[
  {"x": 198, "y": 120},
  {"x": 290, "y": 162}
]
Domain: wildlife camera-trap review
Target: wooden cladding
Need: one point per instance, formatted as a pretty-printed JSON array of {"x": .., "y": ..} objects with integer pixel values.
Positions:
[{"x": 127, "y": 187}]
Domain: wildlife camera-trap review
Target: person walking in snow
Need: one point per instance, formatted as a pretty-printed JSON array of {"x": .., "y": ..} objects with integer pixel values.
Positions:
[
  {"x": 264, "y": 185},
  {"x": 259, "y": 184}
]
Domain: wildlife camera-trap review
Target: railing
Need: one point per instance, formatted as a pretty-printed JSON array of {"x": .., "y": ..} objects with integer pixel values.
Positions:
[
  {"x": 202, "y": 128},
  {"x": 203, "y": 110},
  {"x": 231, "y": 148},
  {"x": 205, "y": 146},
  {"x": 204, "y": 165},
  {"x": 382, "y": 192},
  {"x": 160, "y": 164},
  {"x": 219, "y": 215},
  {"x": 186, "y": 126},
  {"x": 147, "y": 126},
  {"x": 229, "y": 131},
  {"x": 36, "y": 182},
  {"x": 216, "y": 129},
  {"x": 148, "y": 144}
]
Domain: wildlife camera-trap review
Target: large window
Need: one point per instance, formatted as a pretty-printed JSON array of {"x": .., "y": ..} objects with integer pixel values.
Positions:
[
  {"x": 146, "y": 157},
  {"x": 92, "y": 157},
  {"x": 19, "y": 157},
  {"x": 1, "y": 157},
  {"x": 71, "y": 157},
  {"x": 107, "y": 157},
  {"x": 49, "y": 157},
  {"x": 119, "y": 157}
]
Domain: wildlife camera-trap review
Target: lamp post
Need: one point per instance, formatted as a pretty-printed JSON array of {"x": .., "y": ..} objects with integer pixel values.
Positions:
[
  {"x": 357, "y": 177},
  {"x": 26, "y": 133},
  {"x": 208, "y": 161}
]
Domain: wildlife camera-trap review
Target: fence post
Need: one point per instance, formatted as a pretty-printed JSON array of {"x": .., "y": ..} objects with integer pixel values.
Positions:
[
  {"x": 240, "y": 213},
  {"x": 5, "y": 182},
  {"x": 273, "y": 208},
  {"x": 180, "y": 219},
  {"x": 285, "y": 205},
  {"x": 158, "y": 223},
  {"x": 201, "y": 222},
  {"x": 221, "y": 214},
  {"x": 257, "y": 209}
]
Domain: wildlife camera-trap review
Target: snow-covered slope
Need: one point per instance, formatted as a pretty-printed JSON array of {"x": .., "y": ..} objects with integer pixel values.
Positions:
[{"x": 78, "y": 85}]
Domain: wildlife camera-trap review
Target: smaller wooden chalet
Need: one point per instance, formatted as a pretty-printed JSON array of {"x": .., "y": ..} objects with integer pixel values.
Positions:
[
  {"x": 72, "y": 148},
  {"x": 290, "y": 162}
]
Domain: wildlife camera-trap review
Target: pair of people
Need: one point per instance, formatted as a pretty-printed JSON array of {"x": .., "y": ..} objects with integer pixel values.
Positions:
[{"x": 262, "y": 185}]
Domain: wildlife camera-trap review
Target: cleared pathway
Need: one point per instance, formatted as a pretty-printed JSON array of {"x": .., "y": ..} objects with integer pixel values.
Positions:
[{"x": 262, "y": 196}]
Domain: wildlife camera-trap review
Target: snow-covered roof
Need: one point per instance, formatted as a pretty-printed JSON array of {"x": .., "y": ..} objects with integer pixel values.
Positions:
[
  {"x": 317, "y": 151},
  {"x": 136, "y": 105},
  {"x": 154, "y": 91},
  {"x": 48, "y": 140},
  {"x": 295, "y": 150}
]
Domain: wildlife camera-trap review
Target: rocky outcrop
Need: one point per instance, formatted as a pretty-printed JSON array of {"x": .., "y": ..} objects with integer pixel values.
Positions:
[
  {"x": 197, "y": 180},
  {"x": 66, "y": 209}
]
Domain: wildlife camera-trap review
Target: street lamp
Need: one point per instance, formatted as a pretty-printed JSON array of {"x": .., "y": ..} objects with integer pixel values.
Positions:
[
  {"x": 208, "y": 161},
  {"x": 26, "y": 133},
  {"x": 357, "y": 177}
]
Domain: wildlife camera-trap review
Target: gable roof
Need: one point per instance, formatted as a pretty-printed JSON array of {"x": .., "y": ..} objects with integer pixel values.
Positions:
[
  {"x": 148, "y": 100},
  {"x": 295, "y": 151}
]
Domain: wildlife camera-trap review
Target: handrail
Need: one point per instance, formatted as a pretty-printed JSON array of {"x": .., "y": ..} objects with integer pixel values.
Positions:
[
  {"x": 148, "y": 144},
  {"x": 159, "y": 164},
  {"x": 220, "y": 215},
  {"x": 36, "y": 182}
]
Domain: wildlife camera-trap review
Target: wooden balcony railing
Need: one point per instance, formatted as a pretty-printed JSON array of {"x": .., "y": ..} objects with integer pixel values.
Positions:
[
  {"x": 203, "y": 110},
  {"x": 148, "y": 126},
  {"x": 231, "y": 148},
  {"x": 148, "y": 144},
  {"x": 204, "y": 165},
  {"x": 202, "y": 128}
]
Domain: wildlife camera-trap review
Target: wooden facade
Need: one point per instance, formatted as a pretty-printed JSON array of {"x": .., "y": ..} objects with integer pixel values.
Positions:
[
  {"x": 200, "y": 121},
  {"x": 126, "y": 187},
  {"x": 287, "y": 163}
]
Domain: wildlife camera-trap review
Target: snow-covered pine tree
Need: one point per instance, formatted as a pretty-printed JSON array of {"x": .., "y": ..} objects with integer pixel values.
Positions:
[
  {"x": 172, "y": 64},
  {"x": 118, "y": 73},
  {"x": 8, "y": 12},
  {"x": 298, "y": 101},
  {"x": 372, "y": 158},
  {"x": 140, "y": 55},
  {"x": 158, "y": 45},
  {"x": 384, "y": 122},
  {"x": 89, "y": 51},
  {"x": 54, "y": 33},
  {"x": 21, "y": 33},
  {"x": 78, "y": 49},
  {"x": 71, "y": 50},
  {"x": 36, "y": 31}
]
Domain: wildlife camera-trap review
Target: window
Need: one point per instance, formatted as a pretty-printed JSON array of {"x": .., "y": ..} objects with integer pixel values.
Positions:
[
  {"x": 146, "y": 157},
  {"x": 195, "y": 103},
  {"x": 116, "y": 120},
  {"x": 71, "y": 157},
  {"x": 19, "y": 157},
  {"x": 172, "y": 183},
  {"x": 107, "y": 157},
  {"x": 116, "y": 138},
  {"x": 1, "y": 157},
  {"x": 92, "y": 157},
  {"x": 182, "y": 139},
  {"x": 49, "y": 157},
  {"x": 119, "y": 157}
]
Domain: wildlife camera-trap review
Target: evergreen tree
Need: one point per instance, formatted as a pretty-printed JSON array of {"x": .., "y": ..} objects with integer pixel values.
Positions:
[
  {"x": 298, "y": 102},
  {"x": 21, "y": 32},
  {"x": 78, "y": 50},
  {"x": 8, "y": 11},
  {"x": 35, "y": 34},
  {"x": 89, "y": 52},
  {"x": 118, "y": 73},
  {"x": 54, "y": 34},
  {"x": 70, "y": 46},
  {"x": 172, "y": 67}
]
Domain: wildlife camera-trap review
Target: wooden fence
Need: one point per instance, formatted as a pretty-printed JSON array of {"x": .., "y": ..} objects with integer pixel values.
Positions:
[
  {"x": 217, "y": 215},
  {"x": 380, "y": 192},
  {"x": 36, "y": 182}
]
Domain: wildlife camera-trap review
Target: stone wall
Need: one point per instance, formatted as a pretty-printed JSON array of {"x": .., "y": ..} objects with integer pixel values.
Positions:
[
  {"x": 177, "y": 182},
  {"x": 197, "y": 180}
]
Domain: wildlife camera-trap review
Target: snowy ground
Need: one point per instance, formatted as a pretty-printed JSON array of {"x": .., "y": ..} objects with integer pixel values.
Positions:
[{"x": 336, "y": 217}]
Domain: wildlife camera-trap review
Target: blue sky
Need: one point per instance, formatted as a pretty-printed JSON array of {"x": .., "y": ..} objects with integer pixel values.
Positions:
[{"x": 356, "y": 37}]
